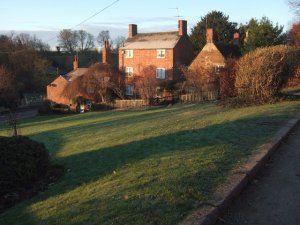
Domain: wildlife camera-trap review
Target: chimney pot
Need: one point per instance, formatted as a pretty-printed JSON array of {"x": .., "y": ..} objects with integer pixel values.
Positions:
[
  {"x": 182, "y": 27},
  {"x": 236, "y": 39},
  {"x": 132, "y": 31},
  {"x": 236, "y": 35},
  {"x": 75, "y": 63}
]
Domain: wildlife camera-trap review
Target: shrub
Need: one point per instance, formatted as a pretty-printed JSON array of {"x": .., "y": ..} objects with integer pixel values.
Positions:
[
  {"x": 45, "y": 108},
  {"x": 294, "y": 81},
  {"x": 227, "y": 80},
  {"x": 263, "y": 72},
  {"x": 23, "y": 162},
  {"x": 201, "y": 79}
]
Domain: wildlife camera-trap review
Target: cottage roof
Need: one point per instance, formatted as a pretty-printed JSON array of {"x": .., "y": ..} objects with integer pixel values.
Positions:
[
  {"x": 210, "y": 55},
  {"x": 75, "y": 73},
  {"x": 152, "y": 40}
]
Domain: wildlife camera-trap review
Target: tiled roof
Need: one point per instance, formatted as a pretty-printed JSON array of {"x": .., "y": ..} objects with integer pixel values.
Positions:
[
  {"x": 152, "y": 40},
  {"x": 75, "y": 73}
]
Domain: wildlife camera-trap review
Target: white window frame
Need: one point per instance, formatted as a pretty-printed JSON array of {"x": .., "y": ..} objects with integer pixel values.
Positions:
[
  {"x": 161, "y": 73},
  {"x": 218, "y": 69},
  {"x": 129, "y": 71},
  {"x": 161, "y": 53},
  {"x": 158, "y": 92},
  {"x": 129, "y": 54},
  {"x": 129, "y": 90}
]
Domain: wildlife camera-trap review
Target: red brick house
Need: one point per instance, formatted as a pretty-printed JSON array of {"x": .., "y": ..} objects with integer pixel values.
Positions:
[
  {"x": 205, "y": 68},
  {"x": 214, "y": 54},
  {"x": 165, "y": 52},
  {"x": 55, "y": 90}
]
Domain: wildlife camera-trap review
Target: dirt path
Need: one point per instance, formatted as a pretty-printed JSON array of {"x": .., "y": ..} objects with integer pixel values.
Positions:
[{"x": 274, "y": 196}]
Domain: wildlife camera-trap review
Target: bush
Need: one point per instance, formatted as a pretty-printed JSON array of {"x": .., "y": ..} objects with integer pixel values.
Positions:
[
  {"x": 262, "y": 73},
  {"x": 294, "y": 81},
  {"x": 199, "y": 79},
  {"x": 227, "y": 80},
  {"x": 23, "y": 162},
  {"x": 45, "y": 108}
]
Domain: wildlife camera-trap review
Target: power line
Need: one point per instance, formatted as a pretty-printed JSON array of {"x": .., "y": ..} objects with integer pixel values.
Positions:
[
  {"x": 97, "y": 13},
  {"x": 110, "y": 5}
]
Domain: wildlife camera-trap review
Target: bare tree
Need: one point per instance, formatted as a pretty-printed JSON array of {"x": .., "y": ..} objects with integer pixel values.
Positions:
[
  {"x": 68, "y": 40},
  {"x": 8, "y": 94},
  {"x": 294, "y": 34},
  {"x": 117, "y": 84},
  {"x": 103, "y": 36},
  {"x": 119, "y": 41},
  {"x": 86, "y": 40},
  {"x": 147, "y": 84},
  {"x": 29, "y": 41},
  {"x": 295, "y": 6},
  {"x": 96, "y": 83},
  {"x": 12, "y": 122}
]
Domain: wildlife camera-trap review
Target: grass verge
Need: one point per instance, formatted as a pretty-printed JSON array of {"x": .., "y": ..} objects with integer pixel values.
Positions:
[{"x": 146, "y": 167}]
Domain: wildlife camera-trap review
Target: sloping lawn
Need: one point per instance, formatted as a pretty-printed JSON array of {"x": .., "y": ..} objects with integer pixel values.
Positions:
[{"x": 142, "y": 167}]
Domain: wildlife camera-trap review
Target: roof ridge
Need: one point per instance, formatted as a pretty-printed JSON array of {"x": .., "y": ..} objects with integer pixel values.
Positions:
[{"x": 163, "y": 32}]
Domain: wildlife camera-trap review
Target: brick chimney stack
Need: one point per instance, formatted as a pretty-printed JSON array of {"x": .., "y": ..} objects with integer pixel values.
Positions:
[
  {"x": 236, "y": 39},
  {"x": 75, "y": 63},
  {"x": 209, "y": 35},
  {"x": 106, "y": 53},
  {"x": 182, "y": 27},
  {"x": 132, "y": 31}
]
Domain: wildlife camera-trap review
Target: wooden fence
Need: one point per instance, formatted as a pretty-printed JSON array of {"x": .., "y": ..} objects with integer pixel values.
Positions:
[
  {"x": 204, "y": 96},
  {"x": 130, "y": 103}
]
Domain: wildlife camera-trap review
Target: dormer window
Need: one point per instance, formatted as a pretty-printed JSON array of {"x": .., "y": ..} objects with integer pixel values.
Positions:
[
  {"x": 128, "y": 54},
  {"x": 160, "y": 53}
]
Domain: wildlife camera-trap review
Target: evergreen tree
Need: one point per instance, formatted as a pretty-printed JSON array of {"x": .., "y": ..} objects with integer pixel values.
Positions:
[{"x": 223, "y": 29}]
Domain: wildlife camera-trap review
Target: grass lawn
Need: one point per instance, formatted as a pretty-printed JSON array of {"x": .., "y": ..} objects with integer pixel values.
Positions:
[{"x": 142, "y": 167}]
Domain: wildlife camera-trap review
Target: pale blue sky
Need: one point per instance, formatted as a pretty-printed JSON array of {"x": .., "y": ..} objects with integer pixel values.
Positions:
[{"x": 46, "y": 18}]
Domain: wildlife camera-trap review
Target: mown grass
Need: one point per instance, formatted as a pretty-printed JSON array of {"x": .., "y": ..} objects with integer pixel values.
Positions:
[{"x": 142, "y": 167}]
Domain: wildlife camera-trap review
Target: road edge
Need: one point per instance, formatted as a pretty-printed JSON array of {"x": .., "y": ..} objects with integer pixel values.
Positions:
[{"x": 240, "y": 178}]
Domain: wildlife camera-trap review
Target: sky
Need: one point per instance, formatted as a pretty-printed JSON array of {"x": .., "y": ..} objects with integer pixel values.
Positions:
[{"x": 45, "y": 18}]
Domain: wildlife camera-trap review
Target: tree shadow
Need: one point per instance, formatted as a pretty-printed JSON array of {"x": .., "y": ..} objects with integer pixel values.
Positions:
[{"x": 216, "y": 149}]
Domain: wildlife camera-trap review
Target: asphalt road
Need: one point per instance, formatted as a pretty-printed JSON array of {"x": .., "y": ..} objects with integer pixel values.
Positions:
[
  {"x": 273, "y": 197},
  {"x": 22, "y": 115}
]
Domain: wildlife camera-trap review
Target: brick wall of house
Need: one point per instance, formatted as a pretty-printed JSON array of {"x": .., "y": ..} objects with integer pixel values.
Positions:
[
  {"x": 143, "y": 58},
  {"x": 55, "y": 91}
]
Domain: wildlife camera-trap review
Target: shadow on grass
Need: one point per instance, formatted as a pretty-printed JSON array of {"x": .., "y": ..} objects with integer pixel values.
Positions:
[
  {"x": 215, "y": 150},
  {"x": 98, "y": 116}
]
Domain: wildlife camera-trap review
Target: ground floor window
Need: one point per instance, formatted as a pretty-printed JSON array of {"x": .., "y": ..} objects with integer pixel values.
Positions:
[
  {"x": 160, "y": 73},
  {"x": 129, "y": 90},
  {"x": 129, "y": 71}
]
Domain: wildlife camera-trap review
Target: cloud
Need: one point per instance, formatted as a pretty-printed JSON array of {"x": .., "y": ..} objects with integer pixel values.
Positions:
[{"x": 116, "y": 26}]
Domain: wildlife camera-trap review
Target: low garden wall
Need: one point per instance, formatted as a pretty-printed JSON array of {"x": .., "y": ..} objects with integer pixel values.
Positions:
[{"x": 204, "y": 96}]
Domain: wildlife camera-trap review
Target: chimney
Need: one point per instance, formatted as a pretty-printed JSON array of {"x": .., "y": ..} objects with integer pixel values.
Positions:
[
  {"x": 236, "y": 39},
  {"x": 132, "y": 31},
  {"x": 182, "y": 27},
  {"x": 247, "y": 36},
  {"x": 106, "y": 53},
  {"x": 75, "y": 63},
  {"x": 209, "y": 35}
]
